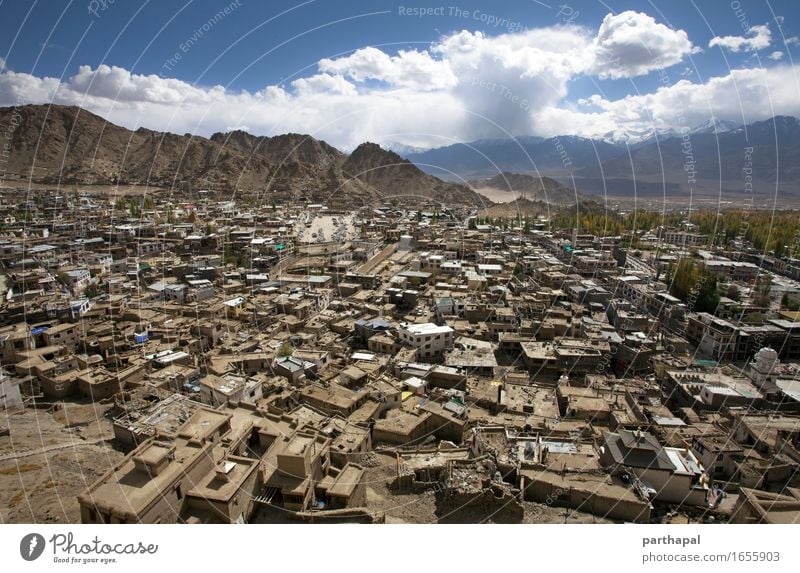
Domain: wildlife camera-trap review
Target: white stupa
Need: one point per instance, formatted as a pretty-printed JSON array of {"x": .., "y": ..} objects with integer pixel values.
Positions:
[{"x": 763, "y": 366}]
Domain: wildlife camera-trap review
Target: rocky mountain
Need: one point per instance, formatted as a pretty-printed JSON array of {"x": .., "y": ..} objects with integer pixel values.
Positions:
[
  {"x": 716, "y": 126},
  {"x": 530, "y": 187},
  {"x": 488, "y": 157},
  {"x": 707, "y": 160},
  {"x": 400, "y": 179},
  {"x": 652, "y": 164},
  {"x": 71, "y": 146},
  {"x": 287, "y": 148}
]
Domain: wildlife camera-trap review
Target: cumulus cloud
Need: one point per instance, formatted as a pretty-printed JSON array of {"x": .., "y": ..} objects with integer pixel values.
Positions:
[
  {"x": 758, "y": 38},
  {"x": 411, "y": 69},
  {"x": 632, "y": 43},
  {"x": 743, "y": 95},
  {"x": 324, "y": 83},
  {"x": 117, "y": 83},
  {"x": 776, "y": 55},
  {"x": 322, "y": 105},
  {"x": 465, "y": 86},
  {"x": 504, "y": 80}
]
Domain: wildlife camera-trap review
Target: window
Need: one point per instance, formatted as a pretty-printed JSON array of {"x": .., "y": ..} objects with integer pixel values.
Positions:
[{"x": 178, "y": 491}]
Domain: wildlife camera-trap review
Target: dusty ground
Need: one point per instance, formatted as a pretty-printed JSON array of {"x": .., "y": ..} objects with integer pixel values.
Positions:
[
  {"x": 49, "y": 458},
  {"x": 421, "y": 507},
  {"x": 324, "y": 229},
  {"x": 398, "y": 508},
  {"x": 498, "y": 195}
]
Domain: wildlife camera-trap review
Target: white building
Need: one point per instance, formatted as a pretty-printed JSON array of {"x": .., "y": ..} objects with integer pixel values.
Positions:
[
  {"x": 684, "y": 238},
  {"x": 80, "y": 307},
  {"x": 216, "y": 390},
  {"x": 428, "y": 338},
  {"x": 79, "y": 279},
  {"x": 175, "y": 292},
  {"x": 763, "y": 367},
  {"x": 10, "y": 396}
]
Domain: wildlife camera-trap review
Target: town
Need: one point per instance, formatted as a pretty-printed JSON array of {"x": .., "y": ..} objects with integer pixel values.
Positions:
[{"x": 188, "y": 357}]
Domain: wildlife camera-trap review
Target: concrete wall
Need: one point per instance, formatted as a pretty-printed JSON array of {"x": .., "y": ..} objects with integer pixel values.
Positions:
[{"x": 546, "y": 487}]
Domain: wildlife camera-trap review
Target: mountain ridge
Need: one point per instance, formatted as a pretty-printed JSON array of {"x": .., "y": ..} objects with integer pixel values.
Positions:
[
  {"x": 655, "y": 166},
  {"x": 69, "y": 145}
]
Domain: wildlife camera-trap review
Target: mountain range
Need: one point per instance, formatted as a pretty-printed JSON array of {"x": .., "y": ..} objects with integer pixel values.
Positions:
[
  {"x": 488, "y": 157},
  {"x": 708, "y": 159},
  {"x": 65, "y": 145},
  {"x": 765, "y": 153},
  {"x": 71, "y": 146}
]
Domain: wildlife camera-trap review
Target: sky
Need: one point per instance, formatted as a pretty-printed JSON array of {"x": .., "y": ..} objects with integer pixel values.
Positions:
[{"x": 414, "y": 73}]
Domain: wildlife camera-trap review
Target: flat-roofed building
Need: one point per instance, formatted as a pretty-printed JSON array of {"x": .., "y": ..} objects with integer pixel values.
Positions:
[
  {"x": 428, "y": 338},
  {"x": 225, "y": 494},
  {"x": 671, "y": 475},
  {"x": 334, "y": 399},
  {"x": 149, "y": 484}
]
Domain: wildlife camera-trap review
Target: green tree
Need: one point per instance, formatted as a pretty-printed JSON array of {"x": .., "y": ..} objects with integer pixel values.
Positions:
[
  {"x": 755, "y": 318},
  {"x": 708, "y": 295},
  {"x": 762, "y": 290},
  {"x": 683, "y": 279},
  {"x": 790, "y": 303}
]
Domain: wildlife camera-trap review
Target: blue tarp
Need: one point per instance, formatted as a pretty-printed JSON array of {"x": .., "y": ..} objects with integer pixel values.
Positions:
[{"x": 39, "y": 330}]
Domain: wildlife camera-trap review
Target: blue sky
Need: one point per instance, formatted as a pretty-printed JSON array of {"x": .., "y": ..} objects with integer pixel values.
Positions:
[{"x": 479, "y": 69}]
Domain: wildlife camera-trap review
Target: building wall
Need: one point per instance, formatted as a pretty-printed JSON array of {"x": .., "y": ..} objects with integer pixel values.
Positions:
[
  {"x": 543, "y": 487},
  {"x": 393, "y": 435},
  {"x": 671, "y": 488},
  {"x": 238, "y": 509},
  {"x": 57, "y": 389},
  {"x": 66, "y": 337},
  {"x": 10, "y": 396},
  {"x": 166, "y": 505},
  {"x": 357, "y": 499}
]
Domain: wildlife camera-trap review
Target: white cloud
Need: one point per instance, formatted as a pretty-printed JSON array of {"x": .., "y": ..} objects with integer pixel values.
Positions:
[
  {"x": 16, "y": 88},
  {"x": 743, "y": 95},
  {"x": 777, "y": 55},
  {"x": 632, "y": 43},
  {"x": 412, "y": 69},
  {"x": 324, "y": 83},
  {"x": 322, "y": 105},
  {"x": 463, "y": 87},
  {"x": 117, "y": 83},
  {"x": 504, "y": 80},
  {"x": 758, "y": 38},
  {"x": 2, "y": 64}
]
